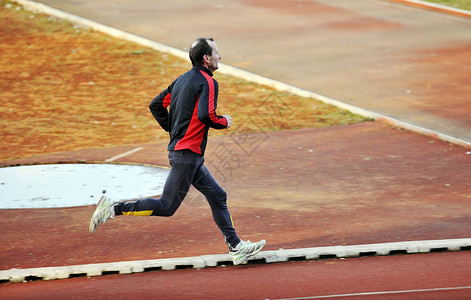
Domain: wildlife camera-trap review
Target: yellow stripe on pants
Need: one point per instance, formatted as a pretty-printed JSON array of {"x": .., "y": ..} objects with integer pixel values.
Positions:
[{"x": 142, "y": 213}]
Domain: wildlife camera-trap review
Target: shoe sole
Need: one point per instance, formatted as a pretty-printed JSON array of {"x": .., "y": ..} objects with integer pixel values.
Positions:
[{"x": 92, "y": 228}]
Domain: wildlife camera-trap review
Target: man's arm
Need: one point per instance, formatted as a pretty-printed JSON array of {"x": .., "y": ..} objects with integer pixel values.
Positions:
[
  {"x": 207, "y": 106},
  {"x": 158, "y": 106}
]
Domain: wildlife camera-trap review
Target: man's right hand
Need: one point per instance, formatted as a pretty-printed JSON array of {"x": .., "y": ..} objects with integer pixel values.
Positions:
[{"x": 229, "y": 121}]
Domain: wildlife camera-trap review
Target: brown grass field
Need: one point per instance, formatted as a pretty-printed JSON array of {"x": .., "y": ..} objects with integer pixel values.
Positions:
[{"x": 67, "y": 88}]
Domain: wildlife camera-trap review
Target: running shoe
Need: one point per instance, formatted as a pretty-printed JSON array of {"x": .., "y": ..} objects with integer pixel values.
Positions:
[
  {"x": 102, "y": 213},
  {"x": 245, "y": 250}
]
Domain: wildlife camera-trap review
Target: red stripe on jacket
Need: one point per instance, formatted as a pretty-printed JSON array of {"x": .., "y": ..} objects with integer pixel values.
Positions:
[
  {"x": 167, "y": 100},
  {"x": 194, "y": 134},
  {"x": 211, "y": 100}
]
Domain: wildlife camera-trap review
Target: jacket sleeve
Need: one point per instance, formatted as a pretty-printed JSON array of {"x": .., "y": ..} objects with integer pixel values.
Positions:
[
  {"x": 207, "y": 106},
  {"x": 158, "y": 107}
]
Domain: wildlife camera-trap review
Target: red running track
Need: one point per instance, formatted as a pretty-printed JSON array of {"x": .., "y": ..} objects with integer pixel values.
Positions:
[{"x": 420, "y": 276}]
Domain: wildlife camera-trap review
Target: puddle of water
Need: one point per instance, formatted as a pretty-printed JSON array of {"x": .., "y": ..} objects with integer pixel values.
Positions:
[{"x": 66, "y": 185}]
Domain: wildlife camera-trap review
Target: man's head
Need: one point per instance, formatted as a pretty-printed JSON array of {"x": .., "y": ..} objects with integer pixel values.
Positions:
[{"x": 204, "y": 52}]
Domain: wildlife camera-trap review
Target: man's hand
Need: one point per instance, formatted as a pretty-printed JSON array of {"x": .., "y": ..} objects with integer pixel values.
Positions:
[{"x": 229, "y": 121}]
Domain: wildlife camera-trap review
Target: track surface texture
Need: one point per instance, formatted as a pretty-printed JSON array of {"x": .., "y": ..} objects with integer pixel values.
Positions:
[{"x": 344, "y": 185}]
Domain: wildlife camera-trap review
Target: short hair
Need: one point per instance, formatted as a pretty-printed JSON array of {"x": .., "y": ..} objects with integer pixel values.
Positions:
[{"x": 199, "y": 49}]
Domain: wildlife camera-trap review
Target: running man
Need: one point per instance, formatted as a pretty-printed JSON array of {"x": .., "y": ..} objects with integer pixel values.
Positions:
[{"x": 187, "y": 109}]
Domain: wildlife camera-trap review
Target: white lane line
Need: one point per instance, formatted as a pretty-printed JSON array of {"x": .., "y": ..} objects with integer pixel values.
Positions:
[
  {"x": 439, "y": 7},
  {"x": 124, "y": 154},
  {"x": 381, "y": 293}
]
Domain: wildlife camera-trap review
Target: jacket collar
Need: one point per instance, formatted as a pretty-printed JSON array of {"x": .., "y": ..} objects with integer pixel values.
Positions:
[{"x": 203, "y": 69}]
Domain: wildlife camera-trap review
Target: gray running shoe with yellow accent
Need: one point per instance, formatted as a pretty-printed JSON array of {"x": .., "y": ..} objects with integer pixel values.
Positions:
[
  {"x": 245, "y": 250},
  {"x": 102, "y": 213}
]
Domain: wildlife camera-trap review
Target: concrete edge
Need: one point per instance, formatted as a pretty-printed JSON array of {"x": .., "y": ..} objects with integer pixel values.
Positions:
[
  {"x": 229, "y": 70},
  {"x": 437, "y": 7},
  {"x": 207, "y": 261}
]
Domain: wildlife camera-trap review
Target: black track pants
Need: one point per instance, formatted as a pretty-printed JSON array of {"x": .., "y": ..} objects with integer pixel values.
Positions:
[{"x": 187, "y": 168}]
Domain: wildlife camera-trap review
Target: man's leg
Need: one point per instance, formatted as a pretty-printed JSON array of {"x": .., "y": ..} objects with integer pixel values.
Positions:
[
  {"x": 184, "y": 165},
  {"x": 240, "y": 251},
  {"x": 217, "y": 197}
]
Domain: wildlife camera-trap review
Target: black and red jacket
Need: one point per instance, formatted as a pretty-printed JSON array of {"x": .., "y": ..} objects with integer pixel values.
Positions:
[{"x": 191, "y": 101}]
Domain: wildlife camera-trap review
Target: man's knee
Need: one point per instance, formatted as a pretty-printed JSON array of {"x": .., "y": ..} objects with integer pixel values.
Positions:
[
  {"x": 221, "y": 195},
  {"x": 168, "y": 208}
]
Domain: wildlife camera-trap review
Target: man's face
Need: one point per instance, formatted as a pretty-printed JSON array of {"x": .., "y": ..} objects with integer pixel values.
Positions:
[{"x": 212, "y": 63}]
